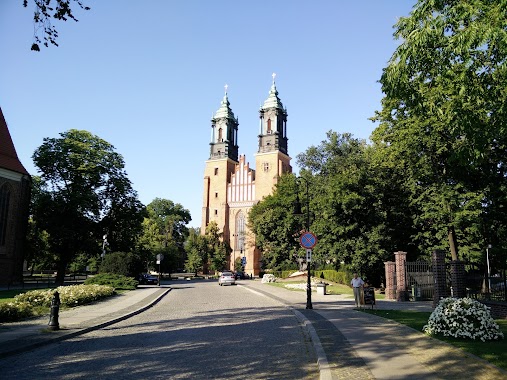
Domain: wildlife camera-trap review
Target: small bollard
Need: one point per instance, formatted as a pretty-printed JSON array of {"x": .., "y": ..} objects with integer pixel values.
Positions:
[{"x": 53, "y": 316}]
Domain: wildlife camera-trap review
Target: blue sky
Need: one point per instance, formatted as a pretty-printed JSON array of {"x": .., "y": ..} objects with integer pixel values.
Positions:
[{"x": 146, "y": 76}]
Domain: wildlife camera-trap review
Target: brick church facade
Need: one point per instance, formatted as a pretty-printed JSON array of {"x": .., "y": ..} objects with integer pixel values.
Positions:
[
  {"x": 15, "y": 184},
  {"x": 231, "y": 187}
]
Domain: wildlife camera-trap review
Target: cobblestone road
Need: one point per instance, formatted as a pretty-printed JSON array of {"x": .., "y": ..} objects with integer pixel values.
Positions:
[{"x": 198, "y": 331}]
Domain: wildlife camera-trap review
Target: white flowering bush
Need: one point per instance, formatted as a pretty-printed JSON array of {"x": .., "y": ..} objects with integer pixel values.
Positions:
[
  {"x": 268, "y": 278},
  {"x": 463, "y": 318},
  {"x": 69, "y": 295},
  {"x": 14, "y": 311},
  {"x": 36, "y": 302}
]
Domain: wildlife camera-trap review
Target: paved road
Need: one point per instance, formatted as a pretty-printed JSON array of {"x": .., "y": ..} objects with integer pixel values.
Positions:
[{"x": 199, "y": 330}]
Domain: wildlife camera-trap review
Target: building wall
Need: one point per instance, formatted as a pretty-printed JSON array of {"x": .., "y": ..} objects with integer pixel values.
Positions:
[{"x": 12, "y": 251}]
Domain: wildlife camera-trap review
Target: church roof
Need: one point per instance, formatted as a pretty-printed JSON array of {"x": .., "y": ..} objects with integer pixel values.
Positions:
[
  {"x": 225, "y": 110},
  {"x": 273, "y": 101},
  {"x": 8, "y": 157}
]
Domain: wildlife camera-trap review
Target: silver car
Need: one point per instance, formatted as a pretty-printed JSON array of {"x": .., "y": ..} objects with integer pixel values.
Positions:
[{"x": 227, "y": 278}]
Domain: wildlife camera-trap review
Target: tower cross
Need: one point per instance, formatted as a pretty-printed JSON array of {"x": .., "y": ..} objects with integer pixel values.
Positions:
[
  {"x": 226, "y": 87},
  {"x": 274, "y": 76}
]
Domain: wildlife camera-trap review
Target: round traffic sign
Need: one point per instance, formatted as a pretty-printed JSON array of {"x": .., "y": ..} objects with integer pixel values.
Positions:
[{"x": 307, "y": 240}]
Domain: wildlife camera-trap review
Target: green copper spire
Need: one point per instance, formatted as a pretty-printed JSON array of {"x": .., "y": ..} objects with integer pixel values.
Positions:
[
  {"x": 225, "y": 110},
  {"x": 273, "y": 101}
]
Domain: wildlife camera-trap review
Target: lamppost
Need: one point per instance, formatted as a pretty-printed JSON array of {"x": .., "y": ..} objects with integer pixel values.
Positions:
[
  {"x": 489, "y": 271},
  {"x": 104, "y": 243},
  {"x": 298, "y": 211}
]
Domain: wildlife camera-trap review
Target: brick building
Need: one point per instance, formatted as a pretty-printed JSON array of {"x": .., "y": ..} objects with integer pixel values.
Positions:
[
  {"x": 15, "y": 185},
  {"x": 231, "y": 187}
]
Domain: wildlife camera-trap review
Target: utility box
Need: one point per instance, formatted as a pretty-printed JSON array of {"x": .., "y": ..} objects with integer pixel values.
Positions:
[{"x": 321, "y": 289}]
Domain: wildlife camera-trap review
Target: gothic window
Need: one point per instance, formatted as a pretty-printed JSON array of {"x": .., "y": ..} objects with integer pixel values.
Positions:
[
  {"x": 216, "y": 171},
  {"x": 220, "y": 138},
  {"x": 240, "y": 230},
  {"x": 269, "y": 126},
  {"x": 5, "y": 196}
]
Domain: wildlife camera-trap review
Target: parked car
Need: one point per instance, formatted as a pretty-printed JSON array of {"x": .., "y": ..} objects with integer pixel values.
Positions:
[
  {"x": 147, "y": 279},
  {"x": 240, "y": 276},
  {"x": 227, "y": 278}
]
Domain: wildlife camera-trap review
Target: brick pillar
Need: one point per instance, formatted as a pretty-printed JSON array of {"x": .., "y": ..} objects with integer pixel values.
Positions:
[
  {"x": 439, "y": 276},
  {"x": 401, "y": 286},
  {"x": 458, "y": 279},
  {"x": 390, "y": 268}
]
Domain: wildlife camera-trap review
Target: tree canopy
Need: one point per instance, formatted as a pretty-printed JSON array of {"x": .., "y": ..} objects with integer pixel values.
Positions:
[
  {"x": 443, "y": 117},
  {"x": 82, "y": 194}
]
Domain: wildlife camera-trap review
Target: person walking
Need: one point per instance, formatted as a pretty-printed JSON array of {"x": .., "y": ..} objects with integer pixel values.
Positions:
[{"x": 357, "y": 284}]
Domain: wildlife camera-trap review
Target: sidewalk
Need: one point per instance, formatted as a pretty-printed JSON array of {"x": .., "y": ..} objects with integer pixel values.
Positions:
[
  {"x": 26, "y": 335},
  {"x": 353, "y": 344}
]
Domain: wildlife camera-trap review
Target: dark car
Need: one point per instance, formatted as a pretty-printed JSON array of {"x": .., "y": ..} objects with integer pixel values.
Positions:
[
  {"x": 240, "y": 276},
  {"x": 147, "y": 279}
]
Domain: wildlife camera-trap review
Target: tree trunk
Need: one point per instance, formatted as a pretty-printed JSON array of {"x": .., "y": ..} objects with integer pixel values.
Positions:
[
  {"x": 453, "y": 243},
  {"x": 61, "y": 266}
]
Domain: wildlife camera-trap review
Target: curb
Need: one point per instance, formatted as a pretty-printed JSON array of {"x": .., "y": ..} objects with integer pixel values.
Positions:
[{"x": 48, "y": 340}]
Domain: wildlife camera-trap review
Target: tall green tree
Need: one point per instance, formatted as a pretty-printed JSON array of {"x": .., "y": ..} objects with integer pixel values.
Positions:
[
  {"x": 361, "y": 211},
  {"x": 196, "y": 249},
  {"x": 275, "y": 226},
  {"x": 83, "y": 194},
  {"x": 217, "y": 251},
  {"x": 164, "y": 232},
  {"x": 443, "y": 117}
]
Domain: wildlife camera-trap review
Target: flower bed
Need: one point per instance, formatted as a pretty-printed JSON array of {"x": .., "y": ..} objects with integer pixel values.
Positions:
[
  {"x": 26, "y": 304},
  {"x": 463, "y": 318}
]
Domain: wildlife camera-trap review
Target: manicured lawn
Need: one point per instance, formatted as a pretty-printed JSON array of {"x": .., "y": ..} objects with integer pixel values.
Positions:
[
  {"x": 494, "y": 352},
  {"x": 331, "y": 288}
]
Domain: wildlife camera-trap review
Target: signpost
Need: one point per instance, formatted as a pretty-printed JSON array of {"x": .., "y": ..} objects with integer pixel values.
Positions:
[
  {"x": 308, "y": 241},
  {"x": 160, "y": 257}
]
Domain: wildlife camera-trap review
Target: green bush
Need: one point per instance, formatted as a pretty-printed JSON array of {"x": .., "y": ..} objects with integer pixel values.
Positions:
[
  {"x": 14, "y": 311},
  {"x": 339, "y": 277},
  {"x": 123, "y": 263},
  {"x": 119, "y": 282}
]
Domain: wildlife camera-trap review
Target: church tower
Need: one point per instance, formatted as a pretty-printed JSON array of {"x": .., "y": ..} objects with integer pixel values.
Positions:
[
  {"x": 232, "y": 188},
  {"x": 272, "y": 158},
  {"x": 220, "y": 166}
]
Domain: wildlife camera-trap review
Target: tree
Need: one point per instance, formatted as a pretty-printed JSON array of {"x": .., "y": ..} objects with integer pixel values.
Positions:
[
  {"x": 443, "y": 117},
  {"x": 275, "y": 227},
  {"x": 195, "y": 246},
  {"x": 45, "y": 10},
  {"x": 361, "y": 209},
  {"x": 164, "y": 232},
  {"x": 217, "y": 251},
  {"x": 84, "y": 192}
]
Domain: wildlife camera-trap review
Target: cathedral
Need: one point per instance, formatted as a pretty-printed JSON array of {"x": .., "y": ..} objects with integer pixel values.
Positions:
[{"x": 231, "y": 187}]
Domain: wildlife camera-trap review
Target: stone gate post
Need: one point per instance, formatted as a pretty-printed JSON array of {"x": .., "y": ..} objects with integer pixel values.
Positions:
[
  {"x": 439, "y": 276},
  {"x": 401, "y": 286},
  {"x": 390, "y": 267}
]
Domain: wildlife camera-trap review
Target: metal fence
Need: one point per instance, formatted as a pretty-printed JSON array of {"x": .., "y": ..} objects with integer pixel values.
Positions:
[{"x": 419, "y": 280}]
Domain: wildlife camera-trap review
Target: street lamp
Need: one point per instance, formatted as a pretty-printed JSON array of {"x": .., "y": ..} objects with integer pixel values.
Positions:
[
  {"x": 298, "y": 211},
  {"x": 489, "y": 271}
]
